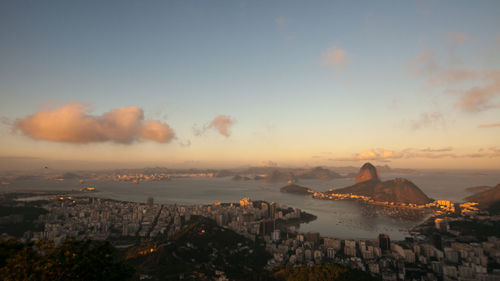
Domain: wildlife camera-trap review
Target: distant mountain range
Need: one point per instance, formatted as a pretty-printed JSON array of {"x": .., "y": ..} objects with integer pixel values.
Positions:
[
  {"x": 398, "y": 190},
  {"x": 286, "y": 174}
]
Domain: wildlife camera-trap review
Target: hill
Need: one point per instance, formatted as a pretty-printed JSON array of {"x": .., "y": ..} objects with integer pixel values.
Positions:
[
  {"x": 280, "y": 176},
  {"x": 317, "y": 173},
  {"x": 397, "y": 190},
  {"x": 296, "y": 189},
  {"x": 368, "y": 172},
  {"x": 478, "y": 189},
  {"x": 201, "y": 251},
  {"x": 486, "y": 198}
]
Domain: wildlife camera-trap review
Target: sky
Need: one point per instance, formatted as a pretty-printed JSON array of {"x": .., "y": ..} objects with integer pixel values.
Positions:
[{"x": 244, "y": 83}]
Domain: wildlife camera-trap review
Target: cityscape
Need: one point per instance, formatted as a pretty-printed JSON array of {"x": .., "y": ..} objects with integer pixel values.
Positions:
[{"x": 280, "y": 140}]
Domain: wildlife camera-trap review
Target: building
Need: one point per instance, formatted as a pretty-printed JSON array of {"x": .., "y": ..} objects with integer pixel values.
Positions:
[
  {"x": 150, "y": 202},
  {"x": 275, "y": 235},
  {"x": 384, "y": 242},
  {"x": 441, "y": 225},
  {"x": 330, "y": 253},
  {"x": 312, "y": 237}
]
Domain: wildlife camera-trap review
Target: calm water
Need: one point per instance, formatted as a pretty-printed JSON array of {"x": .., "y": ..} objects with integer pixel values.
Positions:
[{"x": 335, "y": 218}]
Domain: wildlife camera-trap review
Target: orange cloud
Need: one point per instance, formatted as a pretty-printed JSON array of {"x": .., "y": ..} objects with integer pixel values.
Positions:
[
  {"x": 384, "y": 155},
  {"x": 221, "y": 123},
  {"x": 72, "y": 123},
  {"x": 478, "y": 98},
  {"x": 336, "y": 57},
  {"x": 424, "y": 63},
  {"x": 268, "y": 163},
  {"x": 454, "y": 76},
  {"x": 444, "y": 149},
  {"x": 489, "y": 125},
  {"x": 458, "y": 37},
  {"x": 481, "y": 97},
  {"x": 373, "y": 154}
]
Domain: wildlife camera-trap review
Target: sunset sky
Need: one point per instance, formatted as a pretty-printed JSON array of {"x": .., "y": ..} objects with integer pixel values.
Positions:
[{"x": 231, "y": 83}]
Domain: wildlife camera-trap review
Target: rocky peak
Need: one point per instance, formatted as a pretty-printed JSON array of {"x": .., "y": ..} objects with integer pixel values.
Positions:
[{"x": 366, "y": 173}]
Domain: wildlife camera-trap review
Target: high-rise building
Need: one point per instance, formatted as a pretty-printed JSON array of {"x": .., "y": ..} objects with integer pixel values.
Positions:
[
  {"x": 441, "y": 225},
  {"x": 266, "y": 227},
  {"x": 312, "y": 237},
  {"x": 384, "y": 242},
  {"x": 272, "y": 210},
  {"x": 150, "y": 202},
  {"x": 275, "y": 235},
  {"x": 436, "y": 241}
]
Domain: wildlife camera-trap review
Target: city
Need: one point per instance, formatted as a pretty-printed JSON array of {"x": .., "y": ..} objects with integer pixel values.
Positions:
[
  {"x": 250, "y": 140},
  {"x": 434, "y": 252}
]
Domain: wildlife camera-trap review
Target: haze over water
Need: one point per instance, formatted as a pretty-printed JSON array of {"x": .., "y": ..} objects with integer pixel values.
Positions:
[{"x": 343, "y": 219}]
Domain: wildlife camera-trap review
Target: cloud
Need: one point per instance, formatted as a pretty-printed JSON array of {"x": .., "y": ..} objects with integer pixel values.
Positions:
[
  {"x": 6, "y": 121},
  {"x": 481, "y": 97},
  {"x": 268, "y": 163},
  {"x": 424, "y": 63},
  {"x": 281, "y": 21},
  {"x": 384, "y": 155},
  {"x": 430, "y": 155},
  {"x": 458, "y": 37},
  {"x": 432, "y": 119},
  {"x": 444, "y": 149},
  {"x": 492, "y": 125},
  {"x": 336, "y": 57},
  {"x": 221, "y": 123},
  {"x": 72, "y": 123},
  {"x": 185, "y": 143},
  {"x": 474, "y": 99},
  {"x": 453, "y": 76},
  {"x": 373, "y": 154}
]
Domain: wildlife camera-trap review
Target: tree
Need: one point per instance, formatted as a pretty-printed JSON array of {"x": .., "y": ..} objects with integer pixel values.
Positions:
[{"x": 73, "y": 260}]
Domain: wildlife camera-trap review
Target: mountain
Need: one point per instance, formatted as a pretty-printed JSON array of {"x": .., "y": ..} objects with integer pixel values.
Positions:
[
  {"x": 400, "y": 190},
  {"x": 368, "y": 172},
  {"x": 280, "y": 176},
  {"x": 478, "y": 189},
  {"x": 486, "y": 198},
  {"x": 397, "y": 190},
  {"x": 317, "y": 173},
  {"x": 296, "y": 189}
]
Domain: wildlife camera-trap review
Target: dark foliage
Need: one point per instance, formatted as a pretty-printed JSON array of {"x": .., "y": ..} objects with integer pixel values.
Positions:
[
  {"x": 73, "y": 260},
  {"x": 199, "y": 250},
  {"x": 319, "y": 272},
  {"x": 16, "y": 220}
]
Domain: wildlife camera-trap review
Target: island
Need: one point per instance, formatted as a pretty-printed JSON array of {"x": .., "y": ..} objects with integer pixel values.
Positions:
[{"x": 296, "y": 189}]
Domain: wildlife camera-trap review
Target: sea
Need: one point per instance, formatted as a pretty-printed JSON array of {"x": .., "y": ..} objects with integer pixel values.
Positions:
[{"x": 342, "y": 219}]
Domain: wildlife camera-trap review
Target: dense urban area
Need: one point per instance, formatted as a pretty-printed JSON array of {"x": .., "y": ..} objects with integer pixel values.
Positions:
[{"x": 440, "y": 249}]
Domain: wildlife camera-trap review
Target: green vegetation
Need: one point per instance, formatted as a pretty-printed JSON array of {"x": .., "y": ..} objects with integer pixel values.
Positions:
[
  {"x": 479, "y": 229},
  {"x": 198, "y": 251},
  {"x": 73, "y": 260},
  {"x": 17, "y": 220}
]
